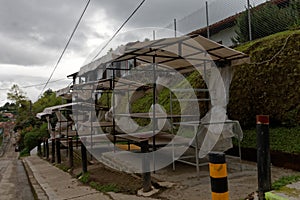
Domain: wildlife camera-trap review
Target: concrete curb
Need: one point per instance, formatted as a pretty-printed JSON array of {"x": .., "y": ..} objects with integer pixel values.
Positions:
[
  {"x": 272, "y": 196},
  {"x": 39, "y": 192},
  {"x": 288, "y": 192}
]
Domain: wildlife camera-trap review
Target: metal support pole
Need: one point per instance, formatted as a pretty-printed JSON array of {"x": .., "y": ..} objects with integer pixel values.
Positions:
[
  {"x": 67, "y": 150},
  {"x": 154, "y": 101},
  {"x": 71, "y": 160},
  {"x": 113, "y": 105},
  {"x": 154, "y": 119},
  {"x": 47, "y": 149},
  {"x": 146, "y": 166},
  {"x": 53, "y": 151},
  {"x": 175, "y": 28},
  {"x": 207, "y": 19},
  {"x": 39, "y": 149},
  {"x": 83, "y": 158},
  {"x": 58, "y": 158},
  {"x": 44, "y": 147},
  {"x": 263, "y": 155},
  {"x": 249, "y": 20},
  {"x": 218, "y": 176}
]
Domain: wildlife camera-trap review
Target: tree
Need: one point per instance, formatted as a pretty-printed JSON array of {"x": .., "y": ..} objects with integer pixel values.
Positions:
[
  {"x": 8, "y": 107},
  {"x": 48, "y": 99},
  {"x": 33, "y": 129},
  {"x": 16, "y": 95},
  {"x": 266, "y": 20}
]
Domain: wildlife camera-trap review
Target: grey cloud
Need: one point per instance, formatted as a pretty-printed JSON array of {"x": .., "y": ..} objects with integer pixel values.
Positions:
[
  {"x": 152, "y": 13},
  {"x": 45, "y": 26}
]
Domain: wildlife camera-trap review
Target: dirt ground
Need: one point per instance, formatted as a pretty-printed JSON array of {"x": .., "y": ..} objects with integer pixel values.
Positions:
[{"x": 184, "y": 182}]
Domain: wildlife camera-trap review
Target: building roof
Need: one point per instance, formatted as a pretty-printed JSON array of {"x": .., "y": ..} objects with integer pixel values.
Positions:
[
  {"x": 183, "y": 54},
  {"x": 230, "y": 21}
]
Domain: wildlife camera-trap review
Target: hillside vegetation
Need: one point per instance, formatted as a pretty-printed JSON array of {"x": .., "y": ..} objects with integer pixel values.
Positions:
[
  {"x": 269, "y": 87},
  {"x": 272, "y": 85}
]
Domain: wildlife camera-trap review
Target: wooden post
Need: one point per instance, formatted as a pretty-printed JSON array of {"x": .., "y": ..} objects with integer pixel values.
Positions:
[
  {"x": 47, "y": 149},
  {"x": 53, "y": 151},
  {"x": 146, "y": 166},
  {"x": 39, "y": 148},
  {"x": 44, "y": 147},
  {"x": 71, "y": 153},
  {"x": 263, "y": 155},
  {"x": 83, "y": 158},
  {"x": 58, "y": 158},
  {"x": 218, "y": 176}
]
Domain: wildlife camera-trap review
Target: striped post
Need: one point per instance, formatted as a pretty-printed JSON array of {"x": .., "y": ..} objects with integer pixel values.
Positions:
[{"x": 218, "y": 176}]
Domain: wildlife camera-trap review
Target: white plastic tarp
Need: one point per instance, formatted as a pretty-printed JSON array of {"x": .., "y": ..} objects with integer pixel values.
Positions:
[
  {"x": 104, "y": 59},
  {"x": 186, "y": 54},
  {"x": 50, "y": 110}
]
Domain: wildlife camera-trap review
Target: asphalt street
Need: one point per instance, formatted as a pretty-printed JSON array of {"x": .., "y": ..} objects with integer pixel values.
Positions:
[{"x": 13, "y": 179}]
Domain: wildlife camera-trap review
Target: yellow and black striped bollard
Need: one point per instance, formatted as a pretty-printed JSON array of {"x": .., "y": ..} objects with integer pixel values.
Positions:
[{"x": 218, "y": 176}]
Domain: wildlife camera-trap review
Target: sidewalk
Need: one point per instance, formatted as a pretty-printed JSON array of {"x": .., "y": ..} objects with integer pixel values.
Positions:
[{"x": 49, "y": 182}]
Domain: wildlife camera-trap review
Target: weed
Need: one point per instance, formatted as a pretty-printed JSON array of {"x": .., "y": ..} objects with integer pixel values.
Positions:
[
  {"x": 104, "y": 188},
  {"x": 285, "y": 180},
  {"x": 84, "y": 178}
]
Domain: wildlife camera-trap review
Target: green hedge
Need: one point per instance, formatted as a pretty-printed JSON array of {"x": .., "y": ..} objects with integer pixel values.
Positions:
[
  {"x": 281, "y": 139},
  {"x": 271, "y": 88}
]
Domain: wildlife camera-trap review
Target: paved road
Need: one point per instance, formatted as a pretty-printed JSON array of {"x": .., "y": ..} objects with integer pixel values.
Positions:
[{"x": 13, "y": 179}]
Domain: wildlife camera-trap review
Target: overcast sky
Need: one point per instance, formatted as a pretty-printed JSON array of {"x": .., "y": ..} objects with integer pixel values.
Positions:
[{"x": 33, "y": 33}]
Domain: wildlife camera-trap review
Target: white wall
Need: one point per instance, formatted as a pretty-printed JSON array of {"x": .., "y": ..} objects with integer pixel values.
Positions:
[{"x": 224, "y": 36}]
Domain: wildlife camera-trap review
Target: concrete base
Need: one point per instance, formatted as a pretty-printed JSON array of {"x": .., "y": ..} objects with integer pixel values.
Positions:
[
  {"x": 166, "y": 184},
  {"x": 147, "y": 194}
]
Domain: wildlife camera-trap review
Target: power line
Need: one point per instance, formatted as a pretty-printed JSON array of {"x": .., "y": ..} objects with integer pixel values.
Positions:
[
  {"x": 76, "y": 26},
  {"x": 119, "y": 29},
  {"x": 39, "y": 84}
]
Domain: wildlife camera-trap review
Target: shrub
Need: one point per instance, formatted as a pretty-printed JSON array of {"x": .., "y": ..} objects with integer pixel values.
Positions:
[{"x": 25, "y": 152}]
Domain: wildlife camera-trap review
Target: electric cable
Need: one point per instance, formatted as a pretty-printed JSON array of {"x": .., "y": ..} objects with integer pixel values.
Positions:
[
  {"x": 118, "y": 30},
  {"x": 63, "y": 52},
  {"x": 39, "y": 84}
]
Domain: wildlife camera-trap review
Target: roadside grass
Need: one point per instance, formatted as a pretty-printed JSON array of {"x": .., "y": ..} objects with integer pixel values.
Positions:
[
  {"x": 285, "y": 180},
  {"x": 104, "y": 188},
  {"x": 84, "y": 178},
  {"x": 63, "y": 167}
]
